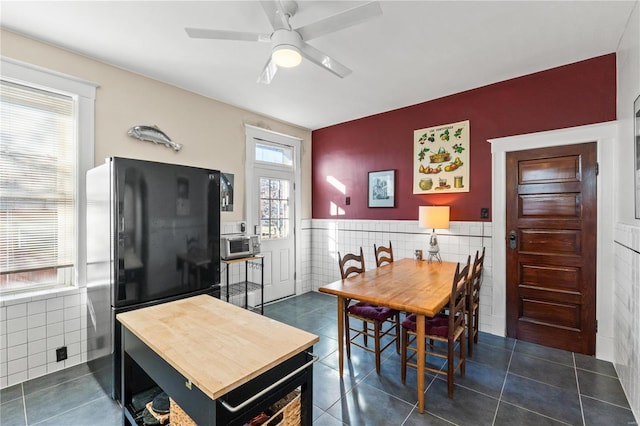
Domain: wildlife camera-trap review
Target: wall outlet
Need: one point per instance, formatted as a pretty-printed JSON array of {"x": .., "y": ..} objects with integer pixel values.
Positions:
[
  {"x": 347, "y": 201},
  {"x": 61, "y": 354},
  {"x": 484, "y": 213}
]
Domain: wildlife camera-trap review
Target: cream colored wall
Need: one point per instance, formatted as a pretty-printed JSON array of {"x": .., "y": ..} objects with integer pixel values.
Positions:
[{"x": 211, "y": 132}]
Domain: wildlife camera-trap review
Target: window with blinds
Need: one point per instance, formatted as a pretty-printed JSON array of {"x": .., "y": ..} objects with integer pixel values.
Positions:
[{"x": 37, "y": 187}]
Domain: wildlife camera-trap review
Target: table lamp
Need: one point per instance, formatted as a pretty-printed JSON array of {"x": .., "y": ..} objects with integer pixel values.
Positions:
[{"x": 434, "y": 217}]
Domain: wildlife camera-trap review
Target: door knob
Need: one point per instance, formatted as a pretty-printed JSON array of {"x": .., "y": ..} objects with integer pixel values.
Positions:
[{"x": 513, "y": 239}]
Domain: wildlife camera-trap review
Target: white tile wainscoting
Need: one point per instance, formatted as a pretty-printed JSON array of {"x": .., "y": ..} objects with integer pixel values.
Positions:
[
  {"x": 627, "y": 312},
  {"x": 33, "y": 327},
  {"x": 321, "y": 239}
]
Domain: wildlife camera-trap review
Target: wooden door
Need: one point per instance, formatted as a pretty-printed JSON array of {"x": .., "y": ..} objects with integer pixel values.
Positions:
[{"x": 551, "y": 246}]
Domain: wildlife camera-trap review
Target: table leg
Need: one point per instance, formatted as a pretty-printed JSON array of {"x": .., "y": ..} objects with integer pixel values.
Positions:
[
  {"x": 228, "y": 266},
  {"x": 341, "y": 301},
  {"x": 246, "y": 284},
  {"x": 420, "y": 360}
]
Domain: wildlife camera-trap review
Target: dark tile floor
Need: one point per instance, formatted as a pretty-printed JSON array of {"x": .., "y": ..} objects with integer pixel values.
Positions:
[{"x": 507, "y": 382}]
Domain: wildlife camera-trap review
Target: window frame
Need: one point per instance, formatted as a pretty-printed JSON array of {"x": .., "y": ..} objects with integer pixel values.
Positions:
[
  {"x": 84, "y": 93},
  {"x": 275, "y": 146}
]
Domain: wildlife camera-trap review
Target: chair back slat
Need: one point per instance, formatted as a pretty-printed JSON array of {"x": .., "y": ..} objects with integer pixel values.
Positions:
[
  {"x": 473, "y": 300},
  {"x": 458, "y": 299},
  {"x": 383, "y": 254},
  {"x": 476, "y": 273},
  {"x": 355, "y": 264}
]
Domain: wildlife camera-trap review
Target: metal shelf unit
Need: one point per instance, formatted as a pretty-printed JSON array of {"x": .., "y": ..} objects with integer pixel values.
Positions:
[{"x": 238, "y": 288}]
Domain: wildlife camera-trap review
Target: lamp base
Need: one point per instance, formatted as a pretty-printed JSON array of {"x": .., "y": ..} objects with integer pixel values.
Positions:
[{"x": 434, "y": 249}]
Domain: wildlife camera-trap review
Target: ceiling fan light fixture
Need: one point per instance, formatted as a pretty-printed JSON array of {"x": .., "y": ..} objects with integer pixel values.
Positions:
[{"x": 286, "y": 56}]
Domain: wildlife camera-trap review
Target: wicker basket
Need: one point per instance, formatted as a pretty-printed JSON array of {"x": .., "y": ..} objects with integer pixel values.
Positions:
[
  {"x": 286, "y": 412},
  {"x": 440, "y": 157},
  {"x": 178, "y": 416}
]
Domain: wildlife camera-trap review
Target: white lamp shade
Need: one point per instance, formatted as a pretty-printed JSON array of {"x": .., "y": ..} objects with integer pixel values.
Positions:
[
  {"x": 286, "y": 56},
  {"x": 434, "y": 217}
]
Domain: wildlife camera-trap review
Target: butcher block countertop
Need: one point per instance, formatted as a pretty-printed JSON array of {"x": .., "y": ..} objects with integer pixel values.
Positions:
[{"x": 216, "y": 345}]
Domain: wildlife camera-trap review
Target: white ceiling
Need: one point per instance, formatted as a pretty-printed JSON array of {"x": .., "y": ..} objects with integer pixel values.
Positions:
[{"x": 416, "y": 51}]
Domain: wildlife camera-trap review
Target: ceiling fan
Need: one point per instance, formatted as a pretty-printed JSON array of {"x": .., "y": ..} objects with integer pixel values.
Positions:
[{"x": 288, "y": 45}]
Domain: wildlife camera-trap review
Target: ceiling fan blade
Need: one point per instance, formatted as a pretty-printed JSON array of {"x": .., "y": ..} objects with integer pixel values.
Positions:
[
  {"x": 325, "y": 61},
  {"x": 226, "y": 35},
  {"x": 274, "y": 11},
  {"x": 340, "y": 21},
  {"x": 268, "y": 72}
]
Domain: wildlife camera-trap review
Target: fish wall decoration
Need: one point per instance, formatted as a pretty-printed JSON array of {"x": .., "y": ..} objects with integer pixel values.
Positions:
[{"x": 153, "y": 134}]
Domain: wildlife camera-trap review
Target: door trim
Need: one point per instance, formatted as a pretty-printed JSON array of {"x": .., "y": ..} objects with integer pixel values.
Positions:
[
  {"x": 605, "y": 135},
  {"x": 253, "y": 132}
]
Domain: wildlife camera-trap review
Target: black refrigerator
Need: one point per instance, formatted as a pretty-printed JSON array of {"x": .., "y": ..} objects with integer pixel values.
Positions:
[{"x": 153, "y": 236}]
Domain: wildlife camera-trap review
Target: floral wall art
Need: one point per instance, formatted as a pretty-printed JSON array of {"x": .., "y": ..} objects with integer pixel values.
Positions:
[{"x": 441, "y": 159}]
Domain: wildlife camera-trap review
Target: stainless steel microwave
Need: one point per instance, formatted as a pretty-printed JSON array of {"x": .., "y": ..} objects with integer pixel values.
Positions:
[{"x": 237, "y": 246}]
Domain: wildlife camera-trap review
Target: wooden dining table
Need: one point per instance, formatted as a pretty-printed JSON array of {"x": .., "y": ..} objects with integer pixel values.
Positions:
[{"x": 409, "y": 285}]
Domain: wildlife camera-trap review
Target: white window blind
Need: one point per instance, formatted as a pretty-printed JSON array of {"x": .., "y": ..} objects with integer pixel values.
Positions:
[{"x": 38, "y": 149}]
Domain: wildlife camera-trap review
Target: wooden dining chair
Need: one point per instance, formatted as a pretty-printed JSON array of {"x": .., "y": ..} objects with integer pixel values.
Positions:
[
  {"x": 384, "y": 255},
  {"x": 447, "y": 329},
  {"x": 377, "y": 316},
  {"x": 473, "y": 300}
]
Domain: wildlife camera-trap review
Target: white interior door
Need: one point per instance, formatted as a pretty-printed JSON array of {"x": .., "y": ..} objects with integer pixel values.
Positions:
[
  {"x": 272, "y": 161},
  {"x": 274, "y": 214}
]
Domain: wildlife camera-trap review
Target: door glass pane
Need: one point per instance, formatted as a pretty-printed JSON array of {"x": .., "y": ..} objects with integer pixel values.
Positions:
[
  {"x": 275, "y": 189},
  {"x": 274, "y": 208}
]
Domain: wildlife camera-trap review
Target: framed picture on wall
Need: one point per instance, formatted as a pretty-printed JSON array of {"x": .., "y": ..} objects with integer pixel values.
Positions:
[
  {"x": 226, "y": 192},
  {"x": 382, "y": 188},
  {"x": 441, "y": 158},
  {"x": 636, "y": 134}
]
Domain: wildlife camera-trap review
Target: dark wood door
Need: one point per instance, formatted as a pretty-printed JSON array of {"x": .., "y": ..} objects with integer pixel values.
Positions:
[{"x": 551, "y": 246}]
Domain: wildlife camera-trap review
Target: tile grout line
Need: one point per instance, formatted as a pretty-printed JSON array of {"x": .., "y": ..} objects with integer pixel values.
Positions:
[
  {"x": 504, "y": 383},
  {"x": 575, "y": 372},
  {"x": 548, "y": 360},
  {"x": 537, "y": 381},
  {"x": 24, "y": 405},
  {"x": 67, "y": 411},
  {"x": 517, "y": 375},
  {"x": 606, "y": 402},
  {"x": 597, "y": 372}
]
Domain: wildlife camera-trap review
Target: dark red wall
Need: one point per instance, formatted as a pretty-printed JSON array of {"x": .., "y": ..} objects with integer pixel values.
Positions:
[{"x": 572, "y": 95}]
